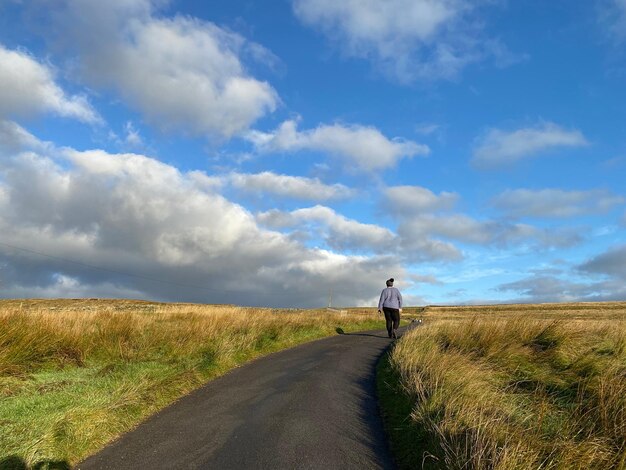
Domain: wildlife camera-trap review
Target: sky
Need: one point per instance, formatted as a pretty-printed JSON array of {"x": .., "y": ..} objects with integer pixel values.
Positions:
[{"x": 278, "y": 153}]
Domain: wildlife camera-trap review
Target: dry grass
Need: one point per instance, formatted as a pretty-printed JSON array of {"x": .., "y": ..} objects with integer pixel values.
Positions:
[
  {"x": 75, "y": 374},
  {"x": 516, "y": 387}
]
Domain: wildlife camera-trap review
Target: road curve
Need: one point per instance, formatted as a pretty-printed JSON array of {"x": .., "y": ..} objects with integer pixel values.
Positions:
[{"x": 310, "y": 407}]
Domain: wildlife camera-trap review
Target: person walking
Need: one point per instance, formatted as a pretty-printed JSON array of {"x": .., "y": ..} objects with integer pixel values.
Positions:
[{"x": 391, "y": 303}]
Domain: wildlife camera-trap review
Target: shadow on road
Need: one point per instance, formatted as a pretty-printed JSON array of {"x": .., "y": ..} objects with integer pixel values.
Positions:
[
  {"x": 384, "y": 336},
  {"x": 367, "y": 334}
]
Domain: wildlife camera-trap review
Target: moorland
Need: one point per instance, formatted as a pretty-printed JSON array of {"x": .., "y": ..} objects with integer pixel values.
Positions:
[
  {"x": 509, "y": 387},
  {"x": 74, "y": 374}
]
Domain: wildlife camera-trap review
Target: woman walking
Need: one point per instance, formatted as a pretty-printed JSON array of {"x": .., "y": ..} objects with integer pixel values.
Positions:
[{"x": 391, "y": 303}]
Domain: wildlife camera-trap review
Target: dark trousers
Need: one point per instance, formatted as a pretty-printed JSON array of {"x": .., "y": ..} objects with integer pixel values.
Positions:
[{"x": 392, "y": 318}]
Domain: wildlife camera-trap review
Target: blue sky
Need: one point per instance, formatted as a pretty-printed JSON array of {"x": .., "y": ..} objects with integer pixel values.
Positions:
[{"x": 268, "y": 153}]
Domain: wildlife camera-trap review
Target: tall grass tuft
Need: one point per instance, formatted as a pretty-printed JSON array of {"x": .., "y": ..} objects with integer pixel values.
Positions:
[{"x": 516, "y": 391}]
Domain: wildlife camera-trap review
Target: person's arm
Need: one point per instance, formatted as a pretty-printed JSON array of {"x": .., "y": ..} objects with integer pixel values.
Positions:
[
  {"x": 380, "y": 301},
  {"x": 400, "y": 301}
]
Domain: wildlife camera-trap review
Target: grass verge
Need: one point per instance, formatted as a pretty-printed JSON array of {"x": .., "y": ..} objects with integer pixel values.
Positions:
[
  {"x": 526, "y": 387},
  {"x": 408, "y": 441},
  {"x": 74, "y": 375}
]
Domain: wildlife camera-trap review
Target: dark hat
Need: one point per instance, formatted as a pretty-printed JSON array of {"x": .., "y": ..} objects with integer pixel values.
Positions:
[{"x": 390, "y": 282}]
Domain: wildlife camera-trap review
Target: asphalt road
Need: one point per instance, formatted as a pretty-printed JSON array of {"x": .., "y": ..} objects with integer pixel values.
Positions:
[{"x": 310, "y": 407}]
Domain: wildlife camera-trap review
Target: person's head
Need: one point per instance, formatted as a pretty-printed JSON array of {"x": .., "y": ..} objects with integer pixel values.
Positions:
[{"x": 390, "y": 282}]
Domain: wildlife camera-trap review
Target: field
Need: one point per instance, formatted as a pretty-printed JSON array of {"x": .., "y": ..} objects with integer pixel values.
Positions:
[
  {"x": 509, "y": 387},
  {"x": 75, "y": 374}
]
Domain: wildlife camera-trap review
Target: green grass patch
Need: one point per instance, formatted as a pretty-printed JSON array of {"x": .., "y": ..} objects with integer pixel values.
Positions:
[{"x": 88, "y": 376}]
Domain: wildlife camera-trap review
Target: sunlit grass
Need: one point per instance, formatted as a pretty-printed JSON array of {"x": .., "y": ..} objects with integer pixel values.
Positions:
[
  {"x": 75, "y": 374},
  {"x": 515, "y": 387}
]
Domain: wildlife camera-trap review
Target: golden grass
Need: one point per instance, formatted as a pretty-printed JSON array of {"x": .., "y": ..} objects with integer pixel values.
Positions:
[
  {"x": 517, "y": 387},
  {"x": 75, "y": 374}
]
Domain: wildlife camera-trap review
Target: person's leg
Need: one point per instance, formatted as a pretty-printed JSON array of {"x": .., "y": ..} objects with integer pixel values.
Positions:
[
  {"x": 396, "y": 321},
  {"x": 388, "y": 320}
]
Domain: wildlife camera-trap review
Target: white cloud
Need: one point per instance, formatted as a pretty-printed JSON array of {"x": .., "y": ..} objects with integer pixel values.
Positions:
[
  {"x": 556, "y": 202},
  {"x": 423, "y": 229},
  {"x": 128, "y": 213},
  {"x": 415, "y": 246},
  {"x": 295, "y": 187},
  {"x": 455, "y": 226},
  {"x": 540, "y": 288},
  {"x": 407, "y": 39},
  {"x": 462, "y": 228},
  {"x": 182, "y": 73},
  {"x": 416, "y": 199},
  {"x": 27, "y": 87},
  {"x": 500, "y": 148},
  {"x": 338, "y": 231},
  {"x": 359, "y": 145},
  {"x": 14, "y": 137}
]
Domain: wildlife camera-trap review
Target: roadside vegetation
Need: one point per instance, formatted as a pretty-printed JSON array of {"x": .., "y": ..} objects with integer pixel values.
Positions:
[
  {"x": 76, "y": 374},
  {"x": 509, "y": 387}
]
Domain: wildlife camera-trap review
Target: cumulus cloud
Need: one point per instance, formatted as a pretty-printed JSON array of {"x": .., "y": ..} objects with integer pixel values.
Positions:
[
  {"x": 553, "y": 289},
  {"x": 340, "y": 232},
  {"x": 463, "y": 228},
  {"x": 410, "y": 200},
  {"x": 426, "y": 225},
  {"x": 610, "y": 263},
  {"x": 14, "y": 137},
  {"x": 416, "y": 246},
  {"x": 421, "y": 227},
  {"x": 424, "y": 217},
  {"x": 556, "y": 202},
  {"x": 500, "y": 148},
  {"x": 28, "y": 87},
  {"x": 545, "y": 287},
  {"x": 130, "y": 214},
  {"x": 182, "y": 73},
  {"x": 406, "y": 39},
  {"x": 293, "y": 187},
  {"x": 359, "y": 145}
]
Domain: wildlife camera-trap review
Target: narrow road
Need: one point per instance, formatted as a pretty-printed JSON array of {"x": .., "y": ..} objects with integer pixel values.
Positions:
[{"x": 310, "y": 407}]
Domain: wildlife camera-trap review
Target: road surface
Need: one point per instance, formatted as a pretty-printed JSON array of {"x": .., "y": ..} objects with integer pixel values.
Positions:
[{"x": 310, "y": 407}]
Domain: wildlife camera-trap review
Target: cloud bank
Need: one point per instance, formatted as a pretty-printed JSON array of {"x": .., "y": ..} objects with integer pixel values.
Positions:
[
  {"x": 181, "y": 73},
  {"x": 131, "y": 214}
]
